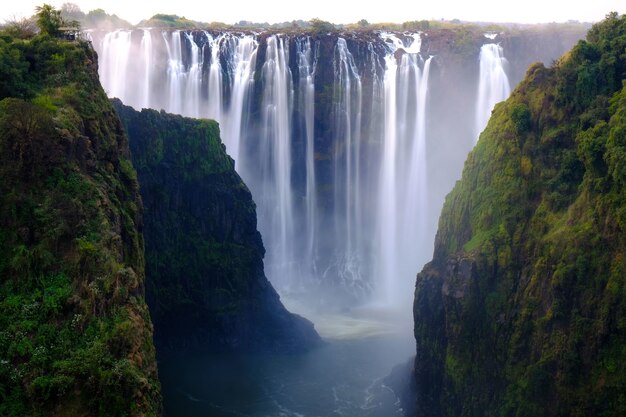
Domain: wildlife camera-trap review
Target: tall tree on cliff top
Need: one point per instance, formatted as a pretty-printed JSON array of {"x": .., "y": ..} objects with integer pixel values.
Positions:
[{"x": 49, "y": 19}]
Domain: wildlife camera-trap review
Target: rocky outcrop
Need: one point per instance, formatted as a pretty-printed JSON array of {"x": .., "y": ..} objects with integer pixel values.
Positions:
[
  {"x": 521, "y": 311},
  {"x": 204, "y": 256}
]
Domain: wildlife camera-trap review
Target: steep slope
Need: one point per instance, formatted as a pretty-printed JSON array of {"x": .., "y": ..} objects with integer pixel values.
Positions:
[
  {"x": 204, "y": 256},
  {"x": 75, "y": 333},
  {"x": 522, "y": 311}
]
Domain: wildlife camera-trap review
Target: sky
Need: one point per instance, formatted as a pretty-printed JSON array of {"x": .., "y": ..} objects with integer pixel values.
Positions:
[{"x": 338, "y": 11}]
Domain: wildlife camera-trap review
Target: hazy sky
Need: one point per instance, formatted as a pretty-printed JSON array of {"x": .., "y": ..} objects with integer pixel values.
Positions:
[{"x": 338, "y": 11}]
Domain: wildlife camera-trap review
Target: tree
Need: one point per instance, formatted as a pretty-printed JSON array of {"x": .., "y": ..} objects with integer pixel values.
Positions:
[
  {"x": 71, "y": 13},
  {"x": 319, "y": 26},
  {"x": 23, "y": 28},
  {"x": 49, "y": 19}
]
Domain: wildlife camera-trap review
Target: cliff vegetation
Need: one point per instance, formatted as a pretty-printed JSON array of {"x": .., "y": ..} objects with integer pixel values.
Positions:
[
  {"x": 75, "y": 334},
  {"x": 522, "y": 311}
]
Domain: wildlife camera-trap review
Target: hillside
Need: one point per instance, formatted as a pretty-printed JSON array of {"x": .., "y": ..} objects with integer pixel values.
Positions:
[
  {"x": 75, "y": 333},
  {"x": 522, "y": 311}
]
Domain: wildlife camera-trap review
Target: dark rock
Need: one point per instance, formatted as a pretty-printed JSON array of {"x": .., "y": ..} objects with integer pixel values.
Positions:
[{"x": 206, "y": 288}]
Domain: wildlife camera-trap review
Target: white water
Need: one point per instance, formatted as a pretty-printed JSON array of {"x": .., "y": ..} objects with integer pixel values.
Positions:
[
  {"x": 116, "y": 48},
  {"x": 276, "y": 200},
  {"x": 243, "y": 51},
  {"x": 306, "y": 74},
  {"x": 493, "y": 84},
  {"x": 215, "y": 102},
  {"x": 347, "y": 113},
  {"x": 402, "y": 221},
  {"x": 146, "y": 54},
  {"x": 342, "y": 196}
]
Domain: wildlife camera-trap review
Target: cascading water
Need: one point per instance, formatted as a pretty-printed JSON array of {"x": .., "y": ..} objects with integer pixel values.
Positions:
[
  {"x": 146, "y": 54},
  {"x": 493, "y": 84},
  {"x": 116, "y": 48},
  {"x": 275, "y": 198},
  {"x": 306, "y": 93},
  {"x": 403, "y": 197},
  {"x": 215, "y": 105},
  {"x": 333, "y": 150},
  {"x": 242, "y": 75},
  {"x": 194, "y": 79},
  {"x": 175, "y": 70},
  {"x": 347, "y": 111}
]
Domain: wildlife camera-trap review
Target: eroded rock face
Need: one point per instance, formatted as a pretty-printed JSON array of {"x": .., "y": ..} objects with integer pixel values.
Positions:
[
  {"x": 206, "y": 288},
  {"x": 517, "y": 313}
]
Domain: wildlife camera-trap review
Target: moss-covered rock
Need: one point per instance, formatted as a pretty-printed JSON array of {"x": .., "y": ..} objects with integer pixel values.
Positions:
[
  {"x": 75, "y": 333},
  {"x": 204, "y": 256},
  {"x": 522, "y": 311}
]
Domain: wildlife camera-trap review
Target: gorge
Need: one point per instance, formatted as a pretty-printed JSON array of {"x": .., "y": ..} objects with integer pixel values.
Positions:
[
  {"x": 136, "y": 279},
  {"x": 348, "y": 142}
]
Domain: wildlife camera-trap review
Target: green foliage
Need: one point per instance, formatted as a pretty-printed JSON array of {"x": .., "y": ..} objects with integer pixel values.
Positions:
[
  {"x": 175, "y": 22},
  {"x": 539, "y": 214},
  {"x": 321, "y": 26},
  {"x": 49, "y": 20},
  {"x": 521, "y": 118},
  {"x": 75, "y": 338},
  {"x": 416, "y": 25}
]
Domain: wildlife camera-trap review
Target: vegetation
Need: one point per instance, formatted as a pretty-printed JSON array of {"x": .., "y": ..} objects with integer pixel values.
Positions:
[
  {"x": 172, "y": 21},
  {"x": 49, "y": 20},
  {"x": 522, "y": 311},
  {"x": 75, "y": 335},
  {"x": 95, "y": 19}
]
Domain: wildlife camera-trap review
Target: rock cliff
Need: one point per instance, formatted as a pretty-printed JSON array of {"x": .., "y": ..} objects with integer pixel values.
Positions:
[
  {"x": 206, "y": 287},
  {"x": 522, "y": 310}
]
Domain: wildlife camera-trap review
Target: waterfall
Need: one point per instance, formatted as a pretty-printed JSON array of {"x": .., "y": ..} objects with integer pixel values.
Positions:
[
  {"x": 146, "y": 54},
  {"x": 306, "y": 75},
  {"x": 242, "y": 52},
  {"x": 116, "y": 49},
  {"x": 333, "y": 150},
  {"x": 493, "y": 84},
  {"x": 193, "y": 78},
  {"x": 402, "y": 199},
  {"x": 347, "y": 103},
  {"x": 215, "y": 105},
  {"x": 276, "y": 207},
  {"x": 175, "y": 70}
]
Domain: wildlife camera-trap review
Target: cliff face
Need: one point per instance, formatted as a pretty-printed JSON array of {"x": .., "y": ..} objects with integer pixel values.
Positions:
[
  {"x": 522, "y": 310},
  {"x": 204, "y": 256},
  {"x": 75, "y": 333}
]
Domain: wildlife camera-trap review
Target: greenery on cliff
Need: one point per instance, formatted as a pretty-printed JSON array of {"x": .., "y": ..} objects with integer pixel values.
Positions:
[
  {"x": 75, "y": 334},
  {"x": 204, "y": 256},
  {"x": 522, "y": 311}
]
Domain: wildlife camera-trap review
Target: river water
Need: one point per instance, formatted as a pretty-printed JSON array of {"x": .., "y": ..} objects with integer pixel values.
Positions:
[{"x": 344, "y": 377}]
